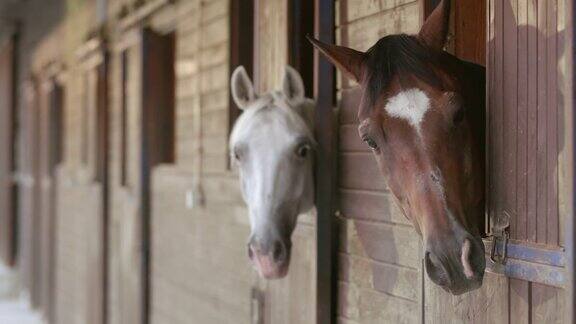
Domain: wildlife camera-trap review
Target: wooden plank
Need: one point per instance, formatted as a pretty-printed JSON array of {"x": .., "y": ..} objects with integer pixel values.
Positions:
[
  {"x": 353, "y": 10},
  {"x": 488, "y": 304},
  {"x": 371, "y": 206},
  {"x": 470, "y": 30},
  {"x": 386, "y": 278},
  {"x": 496, "y": 117},
  {"x": 393, "y": 244},
  {"x": 350, "y": 141},
  {"x": 547, "y": 304},
  {"x": 531, "y": 175},
  {"x": 510, "y": 113},
  {"x": 301, "y": 52},
  {"x": 8, "y": 230},
  {"x": 552, "y": 235},
  {"x": 349, "y": 106},
  {"x": 519, "y": 228},
  {"x": 542, "y": 154},
  {"x": 519, "y": 301},
  {"x": 272, "y": 49},
  {"x": 360, "y": 171},
  {"x": 241, "y": 50},
  {"x": 326, "y": 168},
  {"x": 157, "y": 139},
  {"x": 376, "y": 307}
]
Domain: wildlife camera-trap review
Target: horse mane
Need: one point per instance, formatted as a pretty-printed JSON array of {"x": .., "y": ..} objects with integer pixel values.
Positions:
[{"x": 402, "y": 56}]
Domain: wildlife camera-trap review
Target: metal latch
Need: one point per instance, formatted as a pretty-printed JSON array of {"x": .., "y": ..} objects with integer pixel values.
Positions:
[{"x": 500, "y": 236}]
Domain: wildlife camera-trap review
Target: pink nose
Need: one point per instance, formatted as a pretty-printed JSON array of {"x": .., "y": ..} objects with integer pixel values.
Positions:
[{"x": 271, "y": 263}]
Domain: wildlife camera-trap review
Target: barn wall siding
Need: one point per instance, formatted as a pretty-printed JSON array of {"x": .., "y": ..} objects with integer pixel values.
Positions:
[
  {"x": 379, "y": 251},
  {"x": 380, "y": 277},
  {"x": 199, "y": 266},
  {"x": 199, "y": 269}
]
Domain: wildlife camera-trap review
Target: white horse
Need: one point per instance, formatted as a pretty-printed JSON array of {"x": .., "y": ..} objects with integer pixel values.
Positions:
[{"x": 272, "y": 143}]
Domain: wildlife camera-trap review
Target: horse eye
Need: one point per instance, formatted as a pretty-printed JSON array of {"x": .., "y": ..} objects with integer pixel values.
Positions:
[
  {"x": 459, "y": 116},
  {"x": 236, "y": 155},
  {"x": 303, "y": 150},
  {"x": 371, "y": 143}
]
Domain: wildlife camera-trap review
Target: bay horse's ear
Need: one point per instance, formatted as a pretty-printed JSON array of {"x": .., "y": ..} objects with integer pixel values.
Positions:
[
  {"x": 347, "y": 60},
  {"x": 435, "y": 29},
  {"x": 292, "y": 85},
  {"x": 242, "y": 88}
]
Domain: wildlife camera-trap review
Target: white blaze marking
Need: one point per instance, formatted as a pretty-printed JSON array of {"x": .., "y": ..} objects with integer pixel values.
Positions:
[{"x": 410, "y": 105}]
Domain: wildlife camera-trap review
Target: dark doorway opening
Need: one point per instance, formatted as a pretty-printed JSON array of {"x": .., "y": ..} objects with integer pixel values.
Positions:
[{"x": 158, "y": 133}]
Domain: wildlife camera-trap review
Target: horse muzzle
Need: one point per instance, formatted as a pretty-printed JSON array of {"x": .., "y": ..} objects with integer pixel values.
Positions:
[
  {"x": 270, "y": 260},
  {"x": 456, "y": 265}
]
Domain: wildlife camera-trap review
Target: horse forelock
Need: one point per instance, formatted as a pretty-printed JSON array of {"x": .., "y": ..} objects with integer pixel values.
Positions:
[
  {"x": 272, "y": 102},
  {"x": 402, "y": 58}
]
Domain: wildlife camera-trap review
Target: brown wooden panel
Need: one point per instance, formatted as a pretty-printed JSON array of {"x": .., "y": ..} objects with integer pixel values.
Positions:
[
  {"x": 7, "y": 155},
  {"x": 50, "y": 145},
  {"x": 157, "y": 140},
  {"x": 360, "y": 171},
  {"x": 552, "y": 147},
  {"x": 470, "y": 30},
  {"x": 349, "y": 106},
  {"x": 532, "y": 120},
  {"x": 547, "y": 304},
  {"x": 394, "y": 244},
  {"x": 519, "y": 291},
  {"x": 520, "y": 222},
  {"x": 350, "y": 141},
  {"x": 371, "y": 206},
  {"x": 523, "y": 118}
]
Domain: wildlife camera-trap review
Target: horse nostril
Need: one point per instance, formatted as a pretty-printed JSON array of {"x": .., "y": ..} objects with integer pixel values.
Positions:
[
  {"x": 250, "y": 252},
  {"x": 435, "y": 270},
  {"x": 278, "y": 252}
]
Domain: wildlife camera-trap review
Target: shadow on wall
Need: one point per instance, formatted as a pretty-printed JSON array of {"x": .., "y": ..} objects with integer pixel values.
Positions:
[{"x": 526, "y": 109}]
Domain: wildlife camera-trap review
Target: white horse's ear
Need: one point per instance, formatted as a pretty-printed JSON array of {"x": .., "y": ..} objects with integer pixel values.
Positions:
[
  {"x": 242, "y": 88},
  {"x": 292, "y": 85}
]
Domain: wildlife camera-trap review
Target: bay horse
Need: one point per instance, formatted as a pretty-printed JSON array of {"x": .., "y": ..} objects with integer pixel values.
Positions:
[
  {"x": 272, "y": 143},
  {"x": 422, "y": 114}
]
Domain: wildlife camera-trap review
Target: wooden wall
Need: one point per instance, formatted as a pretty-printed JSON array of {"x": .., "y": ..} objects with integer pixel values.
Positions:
[
  {"x": 380, "y": 277},
  {"x": 380, "y": 272},
  {"x": 7, "y": 153},
  {"x": 200, "y": 223}
]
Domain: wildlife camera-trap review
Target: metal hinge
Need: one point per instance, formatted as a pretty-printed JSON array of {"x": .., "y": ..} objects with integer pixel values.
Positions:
[{"x": 500, "y": 236}]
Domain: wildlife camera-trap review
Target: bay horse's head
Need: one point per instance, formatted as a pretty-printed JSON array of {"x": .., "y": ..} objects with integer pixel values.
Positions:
[
  {"x": 422, "y": 114},
  {"x": 272, "y": 144}
]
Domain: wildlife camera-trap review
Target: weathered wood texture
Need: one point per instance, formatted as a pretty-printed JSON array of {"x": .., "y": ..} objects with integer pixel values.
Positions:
[
  {"x": 127, "y": 290},
  {"x": 380, "y": 277},
  {"x": 8, "y": 229},
  {"x": 205, "y": 268},
  {"x": 271, "y": 37},
  {"x": 526, "y": 110},
  {"x": 380, "y": 250},
  {"x": 142, "y": 135}
]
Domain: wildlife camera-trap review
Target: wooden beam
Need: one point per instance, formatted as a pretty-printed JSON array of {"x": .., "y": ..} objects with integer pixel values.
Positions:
[
  {"x": 326, "y": 168},
  {"x": 300, "y": 51},
  {"x": 570, "y": 225}
]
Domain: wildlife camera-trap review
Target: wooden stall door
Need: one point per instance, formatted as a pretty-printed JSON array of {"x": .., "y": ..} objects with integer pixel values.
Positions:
[
  {"x": 146, "y": 131},
  {"x": 50, "y": 153},
  {"x": 97, "y": 237},
  {"x": 28, "y": 115},
  {"x": 8, "y": 187},
  {"x": 525, "y": 165}
]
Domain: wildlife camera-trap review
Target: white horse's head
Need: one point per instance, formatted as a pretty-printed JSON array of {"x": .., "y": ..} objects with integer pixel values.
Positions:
[{"x": 272, "y": 143}]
